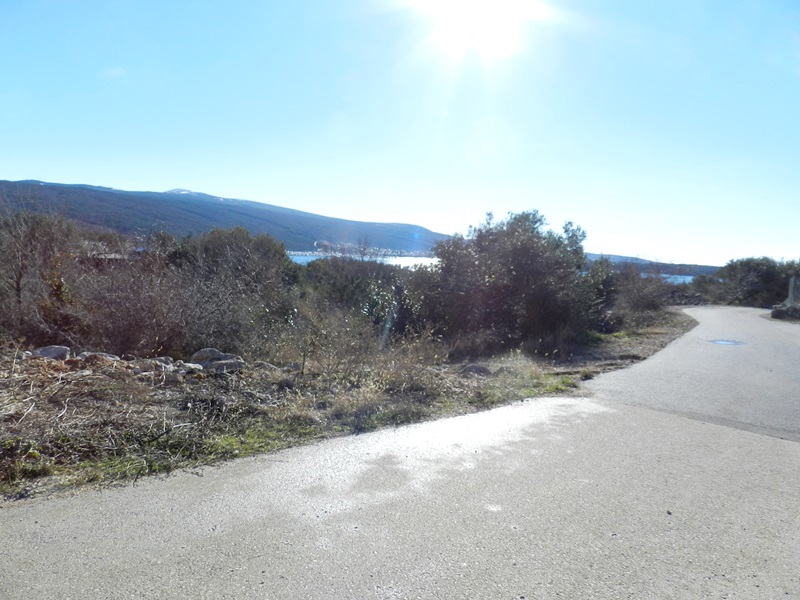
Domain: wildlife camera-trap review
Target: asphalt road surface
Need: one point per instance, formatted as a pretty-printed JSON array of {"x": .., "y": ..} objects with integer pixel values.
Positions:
[
  {"x": 736, "y": 368},
  {"x": 593, "y": 497}
]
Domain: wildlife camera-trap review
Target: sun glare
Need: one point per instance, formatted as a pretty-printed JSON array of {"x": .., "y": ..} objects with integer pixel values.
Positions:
[{"x": 490, "y": 29}]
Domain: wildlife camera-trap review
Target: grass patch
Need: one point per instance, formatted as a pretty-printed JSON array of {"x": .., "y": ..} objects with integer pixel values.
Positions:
[{"x": 560, "y": 384}]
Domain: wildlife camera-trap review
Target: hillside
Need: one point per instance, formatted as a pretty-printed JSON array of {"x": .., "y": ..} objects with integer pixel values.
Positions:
[
  {"x": 649, "y": 266},
  {"x": 181, "y": 213}
]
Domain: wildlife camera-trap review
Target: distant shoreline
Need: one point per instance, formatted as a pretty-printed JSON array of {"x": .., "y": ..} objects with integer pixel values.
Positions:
[{"x": 400, "y": 260}]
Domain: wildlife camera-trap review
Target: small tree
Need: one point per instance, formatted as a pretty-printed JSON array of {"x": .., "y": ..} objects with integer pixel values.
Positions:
[
  {"x": 511, "y": 283},
  {"x": 601, "y": 282},
  {"x": 35, "y": 249},
  {"x": 756, "y": 282}
]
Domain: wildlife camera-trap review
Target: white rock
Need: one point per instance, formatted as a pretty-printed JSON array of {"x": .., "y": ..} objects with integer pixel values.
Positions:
[
  {"x": 54, "y": 352},
  {"x": 231, "y": 365},
  {"x": 214, "y": 361},
  {"x": 210, "y": 354}
]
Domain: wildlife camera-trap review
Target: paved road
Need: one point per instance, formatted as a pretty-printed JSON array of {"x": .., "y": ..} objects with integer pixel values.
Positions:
[
  {"x": 735, "y": 368},
  {"x": 551, "y": 498}
]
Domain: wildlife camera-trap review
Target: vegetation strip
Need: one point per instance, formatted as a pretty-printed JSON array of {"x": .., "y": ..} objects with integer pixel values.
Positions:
[{"x": 66, "y": 427}]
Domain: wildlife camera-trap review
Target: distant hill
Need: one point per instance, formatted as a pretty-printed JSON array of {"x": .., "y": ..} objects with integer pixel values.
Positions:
[
  {"x": 649, "y": 266},
  {"x": 182, "y": 212}
]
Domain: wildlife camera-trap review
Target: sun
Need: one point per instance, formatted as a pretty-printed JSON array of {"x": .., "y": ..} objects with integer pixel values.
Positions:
[{"x": 490, "y": 29}]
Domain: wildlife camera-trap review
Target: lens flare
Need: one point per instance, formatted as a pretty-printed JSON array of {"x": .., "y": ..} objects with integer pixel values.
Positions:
[{"x": 490, "y": 29}]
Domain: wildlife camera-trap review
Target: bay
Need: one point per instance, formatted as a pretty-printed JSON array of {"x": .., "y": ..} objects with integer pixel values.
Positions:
[{"x": 410, "y": 262}]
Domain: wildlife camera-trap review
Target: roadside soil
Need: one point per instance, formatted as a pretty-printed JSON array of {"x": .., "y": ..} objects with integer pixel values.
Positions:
[
  {"x": 68, "y": 425},
  {"x": 618, "y": 351}
]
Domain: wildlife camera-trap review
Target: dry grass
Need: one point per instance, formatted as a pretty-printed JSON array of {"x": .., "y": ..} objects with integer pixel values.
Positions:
[{"x": 68, "y": 424}]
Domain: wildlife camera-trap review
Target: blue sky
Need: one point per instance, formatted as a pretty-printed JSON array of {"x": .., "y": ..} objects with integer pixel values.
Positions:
[{"x": 667, "y": 130}]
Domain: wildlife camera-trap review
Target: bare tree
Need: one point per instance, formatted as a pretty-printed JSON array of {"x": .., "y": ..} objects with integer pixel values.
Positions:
[{"x": 33, "y": 251}]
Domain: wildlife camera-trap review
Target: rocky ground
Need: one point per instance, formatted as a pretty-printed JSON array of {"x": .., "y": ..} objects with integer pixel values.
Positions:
[{"x": 96, "y": 419}]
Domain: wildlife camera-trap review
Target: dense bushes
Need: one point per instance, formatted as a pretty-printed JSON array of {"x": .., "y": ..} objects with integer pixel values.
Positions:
[
  {"x": 507, "y": 284},
  {"x": 371, "y": 289},
  {"x": 759, "y": 282},
  {"x": 510, "y": 284},
  {"x": 98, "y": 291}
]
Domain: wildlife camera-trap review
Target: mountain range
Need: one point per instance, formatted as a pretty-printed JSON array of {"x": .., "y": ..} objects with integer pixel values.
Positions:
[{"x": 183, "y": 212}]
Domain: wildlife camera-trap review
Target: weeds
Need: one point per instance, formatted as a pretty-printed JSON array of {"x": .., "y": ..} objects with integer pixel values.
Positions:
[{"x": 64, "y": 427}]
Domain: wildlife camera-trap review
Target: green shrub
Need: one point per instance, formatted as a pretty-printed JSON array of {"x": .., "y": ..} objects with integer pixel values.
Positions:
[
  {"x": 505, "y": 285},
  {"x": 760, "y": 282}
]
